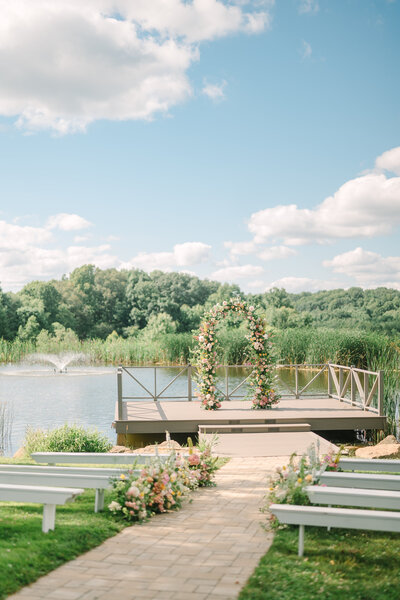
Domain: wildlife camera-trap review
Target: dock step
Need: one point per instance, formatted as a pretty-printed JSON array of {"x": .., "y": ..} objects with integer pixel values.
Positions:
[{"x": 255, "y": 428}]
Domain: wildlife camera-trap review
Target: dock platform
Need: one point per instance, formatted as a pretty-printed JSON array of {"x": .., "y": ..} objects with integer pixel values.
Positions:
[{"x": 322, "y": 414}]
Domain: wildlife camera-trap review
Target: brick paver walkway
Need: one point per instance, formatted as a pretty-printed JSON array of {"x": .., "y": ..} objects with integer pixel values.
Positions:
[{"x": 206, "y": 550}]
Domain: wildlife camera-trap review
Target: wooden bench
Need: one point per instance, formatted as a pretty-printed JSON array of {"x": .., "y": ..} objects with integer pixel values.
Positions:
[
  {"x": 95, "y": 458},
  {"x": 48, "y": 496},
  {"x": 347, "y": 518},
  {"x": 341, "y": 496},
  {"x": 366, "y": 464},
  {"x": 375, "y": 481}
]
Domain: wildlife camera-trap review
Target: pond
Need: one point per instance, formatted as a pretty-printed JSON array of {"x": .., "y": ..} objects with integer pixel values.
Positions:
[{"x": 37, "y": 396}]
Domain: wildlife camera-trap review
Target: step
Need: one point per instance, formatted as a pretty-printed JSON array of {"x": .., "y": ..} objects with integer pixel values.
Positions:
[{"x": 255, "y": 428}]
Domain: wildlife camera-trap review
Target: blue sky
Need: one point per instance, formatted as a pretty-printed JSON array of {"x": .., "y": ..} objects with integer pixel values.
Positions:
[{"x": 253, "y": 142}]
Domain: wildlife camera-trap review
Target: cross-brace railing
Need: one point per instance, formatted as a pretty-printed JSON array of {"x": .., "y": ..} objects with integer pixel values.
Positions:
[{"x": 359, "y": 387}]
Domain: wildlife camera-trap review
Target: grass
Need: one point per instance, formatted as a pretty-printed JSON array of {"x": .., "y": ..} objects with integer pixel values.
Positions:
[
  {"x": 26, "y": 553},
  {"x": 358, "y": 565}
]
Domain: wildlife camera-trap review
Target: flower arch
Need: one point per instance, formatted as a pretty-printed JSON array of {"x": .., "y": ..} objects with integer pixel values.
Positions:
[{"x": 260, "y": 346}]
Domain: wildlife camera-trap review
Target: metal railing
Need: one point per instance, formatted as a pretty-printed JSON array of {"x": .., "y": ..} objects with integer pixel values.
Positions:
[{"x": 359, "y": 387}]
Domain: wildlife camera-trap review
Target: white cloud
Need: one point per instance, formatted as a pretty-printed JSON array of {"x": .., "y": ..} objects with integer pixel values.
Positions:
[
  {"x": 276, "y": 252},
  {"x": 308, "y": 6},
  {"x": 389, "y": 161},
  {"x": 78, "y": 239},
  {"x": 68, "y": 63},
  {"x": 368, "y": 269},
  {"x": 183, "y": 255},
  {"x": 231, "y": 274},
  {"x": 20, "y": 237},
  {"x": 306, "y": 50},
  {"x": 256, "y": 284},
  {"x": 18, "y": 266},
  {"x": 214, "y": 91},
  {"x": 191, "y": 253},
  {"x": 67, "y": 222},
  {"x": 303, "y": 284},
  {"x": 363, "y": 207},
  {"x": 240, "y": 248}
]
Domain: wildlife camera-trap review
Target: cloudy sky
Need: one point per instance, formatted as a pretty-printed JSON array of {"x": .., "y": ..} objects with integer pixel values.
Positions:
[{"x": 247, "y": 141}]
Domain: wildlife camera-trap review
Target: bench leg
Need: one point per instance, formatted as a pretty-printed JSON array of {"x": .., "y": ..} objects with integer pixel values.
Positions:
[
  {"x": 99, "y": 501},
  {"x": 49, "y": 517},
  {"x": 301, "y": 540}
]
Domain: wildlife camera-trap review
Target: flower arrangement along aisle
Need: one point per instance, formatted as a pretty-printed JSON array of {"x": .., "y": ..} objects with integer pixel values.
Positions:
[
  {"x": 287, "y": 485},
  {"x": 260, "y": 350},
  {"x": 160, "y": 487}
]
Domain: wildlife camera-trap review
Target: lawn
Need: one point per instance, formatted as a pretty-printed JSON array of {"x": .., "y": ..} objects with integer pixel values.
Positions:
[
  {"x": 340, "y": 564},
  {"x": 26, "y": 553}
]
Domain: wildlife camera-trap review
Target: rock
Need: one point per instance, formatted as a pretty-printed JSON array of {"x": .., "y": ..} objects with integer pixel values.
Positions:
[
  {"x": 390, "y": 439},
  {"x": 163, "y": 448},
  {"x": 121, "y": 450},
  {"x": 20, "y": 453},
  {"x": 379, "y": 451}
]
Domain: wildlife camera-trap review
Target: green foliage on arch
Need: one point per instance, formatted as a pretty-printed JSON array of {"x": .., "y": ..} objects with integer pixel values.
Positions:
[{"x": 260, "y": 356}]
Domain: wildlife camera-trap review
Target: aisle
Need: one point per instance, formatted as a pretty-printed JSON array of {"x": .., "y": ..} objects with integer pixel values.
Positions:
[{"x": 206, "y": 550}]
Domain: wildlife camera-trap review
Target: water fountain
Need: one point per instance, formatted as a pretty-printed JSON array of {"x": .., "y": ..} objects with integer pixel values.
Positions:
[{"x": 60, "y": 361}]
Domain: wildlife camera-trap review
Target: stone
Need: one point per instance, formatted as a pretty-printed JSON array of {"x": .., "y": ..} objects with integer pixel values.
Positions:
[
  {"x": 390, "y": 439},
  {"x": 20, "y": 453},
  {"x": 379, "y": 451},
  {"x": 121, "y": 450},
  {"x": 163, "y": 448}
]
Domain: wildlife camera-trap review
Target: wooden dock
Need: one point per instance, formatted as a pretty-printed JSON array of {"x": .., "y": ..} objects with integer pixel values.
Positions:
[{"x": 146, "y": 420}]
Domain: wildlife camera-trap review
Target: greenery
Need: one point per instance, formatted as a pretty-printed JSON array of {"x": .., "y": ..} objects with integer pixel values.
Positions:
[
  {"x": 133, "y": 317},
  {"x": 288, "y": 484},
  {"x": 361, "y": 565},
  {"x": 66, "y": 438},
  {"x": 92, "y": 303},
  {"x": 26, "y": 553}
]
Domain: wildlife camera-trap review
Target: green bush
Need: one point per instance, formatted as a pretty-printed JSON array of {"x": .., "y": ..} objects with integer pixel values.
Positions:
[{"x": 67, "y": 438}]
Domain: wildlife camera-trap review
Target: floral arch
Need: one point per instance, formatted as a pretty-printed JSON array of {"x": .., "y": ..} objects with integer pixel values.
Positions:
[{"x": 260, "y": 346}]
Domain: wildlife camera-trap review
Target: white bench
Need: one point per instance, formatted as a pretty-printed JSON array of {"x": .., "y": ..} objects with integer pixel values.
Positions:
[
  {"x": 48, "y": 496},
  {"x": 347, "y": 518},
  {"x": 374, "y": 481},
  {"x": 86, "y": 477},
  {"x": 96, "y": 458},
  {"x": 366, "y": 464},
  {"x": 341, "y": 496}
]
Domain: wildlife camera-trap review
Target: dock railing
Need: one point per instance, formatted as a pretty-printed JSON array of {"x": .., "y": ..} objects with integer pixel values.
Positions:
[{"x": 359, "y": 387}]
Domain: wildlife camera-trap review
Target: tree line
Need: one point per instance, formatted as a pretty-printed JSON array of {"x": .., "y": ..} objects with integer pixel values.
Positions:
[{"x": 92, "y": 303}]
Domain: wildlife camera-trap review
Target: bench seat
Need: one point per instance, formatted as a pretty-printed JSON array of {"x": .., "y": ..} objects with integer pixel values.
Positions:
[
  {"x": 376, "y": 481},
  {"x": 50, "y": 497},
  {"x": 97, "y": 458},
  {"x": 342, "y": 496},
  {"x": 366, "y": 464},
  {"x": 347, "y": 518}
]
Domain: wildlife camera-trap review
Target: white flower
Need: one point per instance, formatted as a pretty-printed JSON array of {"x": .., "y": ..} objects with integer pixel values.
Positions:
[
  {"x": 114, "y": 506},
  {"x": 201, "y": 338},
  {"x": 251, "y": 308},
  {"x": 133, "y": 491}
]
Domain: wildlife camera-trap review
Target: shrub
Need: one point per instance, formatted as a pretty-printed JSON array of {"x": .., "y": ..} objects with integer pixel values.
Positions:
[{"x": 67, "y": 438}]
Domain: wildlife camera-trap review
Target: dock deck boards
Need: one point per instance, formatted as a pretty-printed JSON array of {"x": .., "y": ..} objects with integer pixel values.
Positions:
[{"x": 323, "y": 414}]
